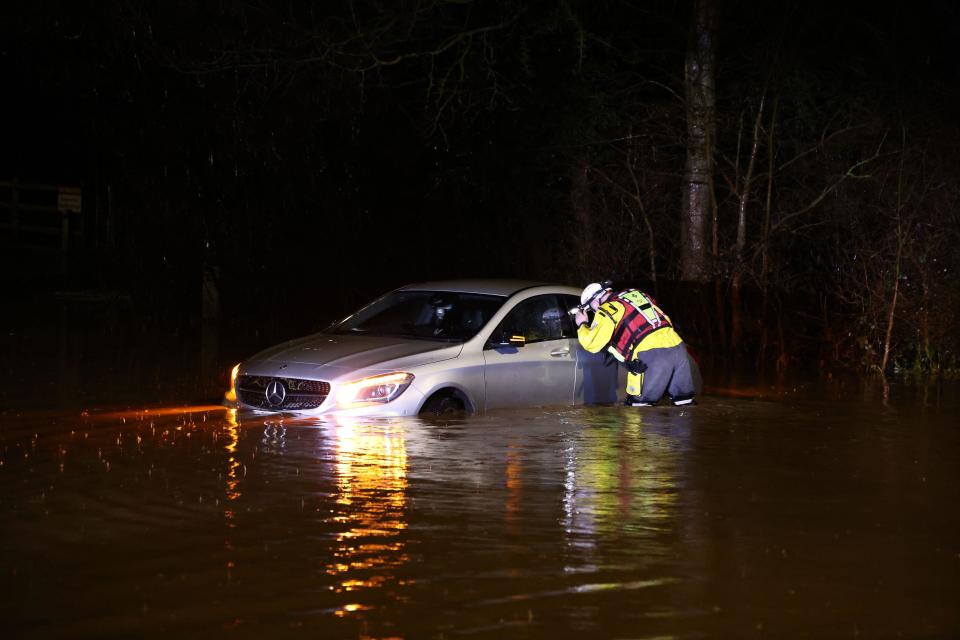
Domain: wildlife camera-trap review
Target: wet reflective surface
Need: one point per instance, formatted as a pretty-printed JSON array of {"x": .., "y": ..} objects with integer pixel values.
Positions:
[{"x": 735, "y": 518}]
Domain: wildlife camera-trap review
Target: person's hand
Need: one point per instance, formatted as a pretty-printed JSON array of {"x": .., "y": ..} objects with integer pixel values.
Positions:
[
  {"x": 636, "y": 367},
  {"x": 581, "y": 317}
]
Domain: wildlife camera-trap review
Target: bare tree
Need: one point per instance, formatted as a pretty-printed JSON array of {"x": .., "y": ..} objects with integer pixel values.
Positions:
[
  {"x": 699, "y": 74},
  {"x": 743, "y": 198}
]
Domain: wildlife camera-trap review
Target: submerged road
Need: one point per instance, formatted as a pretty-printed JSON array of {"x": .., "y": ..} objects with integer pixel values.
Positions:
[{"x": 735, "y": 518}]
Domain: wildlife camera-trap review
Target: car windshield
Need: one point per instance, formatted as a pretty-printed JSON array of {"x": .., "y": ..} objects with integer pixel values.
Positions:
[{"x": 429, "y": 315}]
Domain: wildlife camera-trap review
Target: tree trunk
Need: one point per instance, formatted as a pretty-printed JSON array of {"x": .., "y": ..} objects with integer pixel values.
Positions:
[
  {"x": 698, "y": 174},
  {"x": 891, "y": 312},
  {"x": 765, "y": 234},
  {"x": 580, "y": 202},
  {"x": 736, "y": 295},
  {"x": 651, "y": 237}
]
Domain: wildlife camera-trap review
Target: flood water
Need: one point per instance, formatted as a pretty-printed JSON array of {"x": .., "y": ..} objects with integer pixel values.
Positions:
[{"x": 738, "y": 517}]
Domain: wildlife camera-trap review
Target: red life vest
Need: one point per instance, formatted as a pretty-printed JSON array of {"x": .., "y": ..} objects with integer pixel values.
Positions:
[{"x": 641, "y": 317}]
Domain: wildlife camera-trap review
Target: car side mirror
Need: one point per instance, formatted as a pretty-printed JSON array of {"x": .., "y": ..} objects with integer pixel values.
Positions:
[
  {"x": 517, "y": 341},
  {"x": 507, "y": 340}
]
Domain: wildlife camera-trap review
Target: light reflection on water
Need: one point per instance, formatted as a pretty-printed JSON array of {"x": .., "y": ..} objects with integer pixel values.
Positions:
[
  {"x": 621, "y": 480},
  {"x": 371, "y": 473},
  {"x": 729, "y": 518}
]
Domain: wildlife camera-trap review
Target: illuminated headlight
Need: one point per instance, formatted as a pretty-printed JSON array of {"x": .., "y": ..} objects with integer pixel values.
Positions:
[
  {"x": 373, "y": 390},
  {"x": 232, "y": 392}
]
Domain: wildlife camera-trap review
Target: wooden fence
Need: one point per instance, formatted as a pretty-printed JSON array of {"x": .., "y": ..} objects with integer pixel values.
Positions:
[{"x": 40, "y": 217}]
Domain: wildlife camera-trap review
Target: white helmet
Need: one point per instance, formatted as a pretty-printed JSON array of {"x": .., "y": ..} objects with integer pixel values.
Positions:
[{"x": 591, "y": 292}]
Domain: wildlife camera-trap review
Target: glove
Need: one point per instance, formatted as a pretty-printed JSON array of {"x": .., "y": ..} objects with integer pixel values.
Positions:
[{"x": 636, "y": 367}]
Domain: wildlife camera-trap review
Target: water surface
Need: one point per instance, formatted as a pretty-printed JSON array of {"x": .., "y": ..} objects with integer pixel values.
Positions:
[{"x": 739, "y": 517}]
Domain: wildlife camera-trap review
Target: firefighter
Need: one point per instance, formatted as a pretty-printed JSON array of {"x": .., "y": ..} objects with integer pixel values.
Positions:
[{"x": 635, "y": 331}]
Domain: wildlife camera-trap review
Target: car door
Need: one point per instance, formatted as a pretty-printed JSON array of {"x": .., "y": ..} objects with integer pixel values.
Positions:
[
  {"x": 597, "y": 377},
  {"x": 543, "y": 370}
]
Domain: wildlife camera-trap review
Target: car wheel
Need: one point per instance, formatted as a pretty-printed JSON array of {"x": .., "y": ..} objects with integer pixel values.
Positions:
[{"x": 442, "y": 405}]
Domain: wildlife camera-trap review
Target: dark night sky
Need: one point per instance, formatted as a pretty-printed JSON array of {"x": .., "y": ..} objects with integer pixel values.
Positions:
[{"x": 243, "y": 136}]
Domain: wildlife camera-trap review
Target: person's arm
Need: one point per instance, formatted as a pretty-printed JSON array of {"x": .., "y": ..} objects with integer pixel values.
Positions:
[{"x": 595, "y": 336}]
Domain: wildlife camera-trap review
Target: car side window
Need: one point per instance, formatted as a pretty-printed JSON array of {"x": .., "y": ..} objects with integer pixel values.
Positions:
[
  {"x": 536, "y": 319},
  {"x": 568, "y": 302}
]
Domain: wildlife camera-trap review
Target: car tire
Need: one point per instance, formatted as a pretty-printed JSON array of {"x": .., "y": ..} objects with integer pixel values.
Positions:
[{"x": 442, "y": 406}]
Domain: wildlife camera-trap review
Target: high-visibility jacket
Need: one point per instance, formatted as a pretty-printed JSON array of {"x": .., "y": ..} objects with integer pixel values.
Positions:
[{"x": 626, "y": 324}]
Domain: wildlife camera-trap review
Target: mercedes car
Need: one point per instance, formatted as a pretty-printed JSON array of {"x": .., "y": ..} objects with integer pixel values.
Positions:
[{"x": 434, "y": 347}]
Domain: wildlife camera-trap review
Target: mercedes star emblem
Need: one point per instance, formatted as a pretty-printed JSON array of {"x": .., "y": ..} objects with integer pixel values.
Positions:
[{"x": 276, "y": 393}]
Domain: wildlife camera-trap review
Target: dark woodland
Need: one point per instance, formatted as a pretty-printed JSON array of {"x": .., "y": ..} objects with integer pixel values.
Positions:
[{"x": 782, "y": 176}]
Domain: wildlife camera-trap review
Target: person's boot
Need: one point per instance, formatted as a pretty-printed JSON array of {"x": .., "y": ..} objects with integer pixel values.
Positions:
[{"x": 635, "y": 401}]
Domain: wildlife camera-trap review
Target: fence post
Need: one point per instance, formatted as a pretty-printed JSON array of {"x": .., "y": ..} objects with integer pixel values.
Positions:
[{"x": 15, "y": 209}]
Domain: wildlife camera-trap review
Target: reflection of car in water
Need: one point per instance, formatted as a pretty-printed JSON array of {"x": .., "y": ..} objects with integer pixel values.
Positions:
[{"x": 434, "y": 347}]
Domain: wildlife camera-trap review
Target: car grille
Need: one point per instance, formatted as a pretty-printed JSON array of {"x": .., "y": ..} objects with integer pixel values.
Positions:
[{"x": 298, "y": 395}]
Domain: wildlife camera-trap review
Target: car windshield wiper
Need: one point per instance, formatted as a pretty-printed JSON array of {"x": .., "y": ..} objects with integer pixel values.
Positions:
[
  {"x": 405, "y": 332},
  {"x": 420, "y": 336},
  {"x": 357, "y": 331}
]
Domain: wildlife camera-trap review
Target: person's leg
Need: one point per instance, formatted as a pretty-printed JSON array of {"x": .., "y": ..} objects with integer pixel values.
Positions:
[
  {"x": 682, "y": 388},
  {"x": 652, "y": 382}
]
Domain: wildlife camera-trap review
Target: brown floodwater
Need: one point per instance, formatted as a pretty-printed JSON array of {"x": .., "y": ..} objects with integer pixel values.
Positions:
[{"x": 740, "y": 517}]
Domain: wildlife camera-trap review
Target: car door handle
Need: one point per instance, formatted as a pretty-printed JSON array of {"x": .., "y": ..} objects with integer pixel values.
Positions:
[{"x": 558, "y": 353}]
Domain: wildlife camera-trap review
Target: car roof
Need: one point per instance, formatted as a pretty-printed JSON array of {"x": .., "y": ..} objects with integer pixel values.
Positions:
[{"x": 496, "y": 287}]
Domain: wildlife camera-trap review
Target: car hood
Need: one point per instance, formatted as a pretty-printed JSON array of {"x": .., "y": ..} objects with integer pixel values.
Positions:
[{"x": 348, "y": 352}]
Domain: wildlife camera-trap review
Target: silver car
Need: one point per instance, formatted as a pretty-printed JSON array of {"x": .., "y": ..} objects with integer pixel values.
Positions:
[{"x": 434, "y": 347}]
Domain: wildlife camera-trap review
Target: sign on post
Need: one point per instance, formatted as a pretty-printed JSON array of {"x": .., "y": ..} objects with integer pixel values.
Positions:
[{"x": 69, "y": 199}]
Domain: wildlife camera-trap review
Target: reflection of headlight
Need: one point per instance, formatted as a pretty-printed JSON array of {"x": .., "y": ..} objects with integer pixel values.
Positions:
[
  {"x": 232, "y": 392},
  {"x": 373, "y": 390}
]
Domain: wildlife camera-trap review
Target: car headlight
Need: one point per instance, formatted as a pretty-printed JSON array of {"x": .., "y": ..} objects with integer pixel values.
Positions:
[
  {"x": 232, "y": 391},
  {"x": 373, "y": 390}
]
